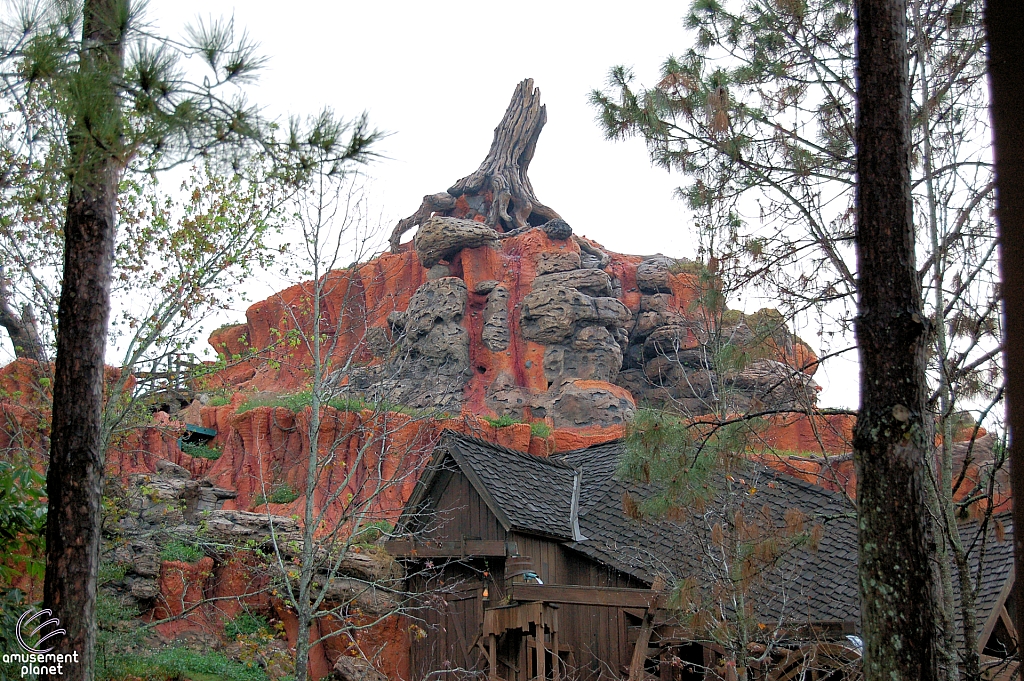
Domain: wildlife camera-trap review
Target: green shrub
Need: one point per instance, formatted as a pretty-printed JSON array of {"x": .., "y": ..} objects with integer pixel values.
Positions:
[
  {"x": 295, "y": 403},
  {"x": 540, "y": 429},
  {"x": 202, "y": 451},
  {"x": 172, "y": 664},
  {"x": 246, "y": 624},
  {"x": 110, "y": 611},
  {"x": 685, "y": 266},
  {"x": 111, "y": 572},
  {"x": 22, "y": 518},
  {"x": 178, "y": 550},
  {"x": 503, "y": 422},
  {"x": 279, "y": 494},
  {"x": 283, "y": 494},
  {"x": 372, "y": 531},
  {"x": 218, "y": 401}
]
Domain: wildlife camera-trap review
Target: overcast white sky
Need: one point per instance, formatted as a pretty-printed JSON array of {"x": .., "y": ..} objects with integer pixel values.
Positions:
[{"x": 439, "y": 76}]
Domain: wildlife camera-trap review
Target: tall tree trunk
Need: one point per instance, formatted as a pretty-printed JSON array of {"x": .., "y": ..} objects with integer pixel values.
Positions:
[
  {"x": 898, "y": 577},
  {"x": 1004, "y": 22},
  {"x": 75, "y": 475}
]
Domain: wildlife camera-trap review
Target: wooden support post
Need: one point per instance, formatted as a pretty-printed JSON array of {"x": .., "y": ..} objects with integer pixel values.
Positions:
[
  {"x": 492, "y": 657},
  {"x": 555, "y": 660},
  {"x": 542, "y": 671},
  {"x": 636, "y": 665}
]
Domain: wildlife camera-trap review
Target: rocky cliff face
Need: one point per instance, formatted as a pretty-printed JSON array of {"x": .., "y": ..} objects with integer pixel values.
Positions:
[
  {"x": 540, "y": 326},
  {"x": 496, "y": 308}
]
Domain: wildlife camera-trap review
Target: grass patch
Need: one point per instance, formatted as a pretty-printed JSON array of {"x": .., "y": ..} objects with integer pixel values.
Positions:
[
  {"x": 178, "y": 550},
  {"x": 539, "y": 429},
  {"x": 279, "y": 494},
  {"x": 201, "y": 451},
  {"x": 299, "y": 401},
  {"x": 502, "y": 422},
  {"x": 218, "y": 401},
  {"x": 686, "y": 266},
  {"x": 246, "y": 624},
  {"x": 173, "y": 664}
]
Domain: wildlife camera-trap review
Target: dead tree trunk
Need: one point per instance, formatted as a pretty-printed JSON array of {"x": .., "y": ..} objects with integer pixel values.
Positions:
[{"x": 499, "y": 189}]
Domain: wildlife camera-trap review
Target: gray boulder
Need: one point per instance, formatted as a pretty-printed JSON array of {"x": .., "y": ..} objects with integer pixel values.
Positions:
[{"x": 440, "y": 238}]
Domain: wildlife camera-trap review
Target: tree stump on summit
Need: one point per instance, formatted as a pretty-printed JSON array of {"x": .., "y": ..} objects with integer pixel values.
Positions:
[{"x": 499, "y": 190}]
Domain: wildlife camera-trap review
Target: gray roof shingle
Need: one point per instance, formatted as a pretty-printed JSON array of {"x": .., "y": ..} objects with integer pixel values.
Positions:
[
  {"x": 534, "y": 495},
  {"x": 814, "y": 585}
]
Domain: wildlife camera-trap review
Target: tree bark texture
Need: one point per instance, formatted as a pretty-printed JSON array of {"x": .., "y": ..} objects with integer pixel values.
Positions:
[
  {"x": 75, "y": 475},
  {"x": 1004, "y": 22},
  {"x": 898, "y": 576},
  {"x": 499, "y": 189}
]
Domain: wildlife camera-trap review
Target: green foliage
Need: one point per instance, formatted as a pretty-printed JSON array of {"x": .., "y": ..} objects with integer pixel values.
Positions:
[
  {"x": 175, "y": 664},
  {"x": 111, "y": 613},
  {"x": 682, "y": 458},
  {"x": 540, "y": 429},
  {"x": 296, "y": 402},
  {"x": 686, "y": 266},
  {"x": 502, "y": 421},
  {"x": 122, "y": 653},
  {"x": 219, "y": 401},
  {"x": 22, "y": 518},
  {"x": 283, "y": 494},
  {"x": 13, "y": 602},
  {"x": 179, "y": 550},
  {"x": 245, "y": 624},
  {"x": 202, "y": 451},
  {"x": 111, "y": 572},
  {"x": 372, "y": 531},
  {"x": 279, "y": 494}
]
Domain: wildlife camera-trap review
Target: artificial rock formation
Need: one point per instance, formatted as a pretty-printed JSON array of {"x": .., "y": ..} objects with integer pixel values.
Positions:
[{"x": 495, "y": 309}]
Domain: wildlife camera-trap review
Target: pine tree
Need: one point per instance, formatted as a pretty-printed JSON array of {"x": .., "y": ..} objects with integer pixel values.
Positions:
[
  {"x": 123, "y": 96},
  {"x": 898, "y": 573}
]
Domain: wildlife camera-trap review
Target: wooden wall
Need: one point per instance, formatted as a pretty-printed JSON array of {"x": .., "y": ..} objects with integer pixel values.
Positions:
[
  {"x": 459, "y": 512},
  {"x": 596, "y": 638},
  {"x": 450, "y": 612},
  {"x": 597, "y": 635}
]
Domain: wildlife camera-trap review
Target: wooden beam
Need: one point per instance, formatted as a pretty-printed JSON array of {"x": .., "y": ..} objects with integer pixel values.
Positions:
[
  {"x": 542, "y": 672},
  {"x": 636, "y": 664},
  {"x": 555, "y": 660},
  {"x": 466, "y": 548},
  {"x": 640, "y": 650},
  {"x": 1008, "y": 623},
  {"x": 492, "y": 656},
  {"x": 588, "y": 595}
]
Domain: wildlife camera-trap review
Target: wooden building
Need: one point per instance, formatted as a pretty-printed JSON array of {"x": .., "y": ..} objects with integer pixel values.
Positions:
[{"x": 529, "y": 568}]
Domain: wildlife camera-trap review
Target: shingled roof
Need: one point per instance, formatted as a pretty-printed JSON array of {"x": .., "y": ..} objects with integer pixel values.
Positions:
[
  {"x": 814, "y": 585},
  {"x": 996, "y": 570},
  {"x": 525, "y": 492},
  {"x": 577, "y": 498}
]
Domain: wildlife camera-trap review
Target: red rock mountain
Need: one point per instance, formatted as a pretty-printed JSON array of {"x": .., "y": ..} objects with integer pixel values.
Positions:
[{"x": 496, "y": 308}]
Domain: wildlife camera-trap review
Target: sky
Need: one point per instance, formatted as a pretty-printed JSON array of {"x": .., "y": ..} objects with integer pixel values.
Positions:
[{"x": 438, "y": 77}]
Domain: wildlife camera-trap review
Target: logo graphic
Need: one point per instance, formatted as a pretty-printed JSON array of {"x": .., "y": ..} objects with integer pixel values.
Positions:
[{"x": 31, "y": 615}]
